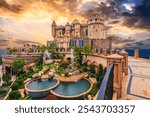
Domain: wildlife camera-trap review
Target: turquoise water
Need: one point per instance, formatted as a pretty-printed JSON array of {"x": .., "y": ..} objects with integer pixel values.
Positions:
[
  {"x": 72, "y": 88},
  {"x": 42, "y": 85}
]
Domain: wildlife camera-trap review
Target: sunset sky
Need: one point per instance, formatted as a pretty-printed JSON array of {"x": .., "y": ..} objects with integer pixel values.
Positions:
[{"x": 31, "y": 19}]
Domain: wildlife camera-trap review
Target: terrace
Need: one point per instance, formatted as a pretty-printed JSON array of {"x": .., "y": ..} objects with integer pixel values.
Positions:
[{"x": 123, "y": 79}]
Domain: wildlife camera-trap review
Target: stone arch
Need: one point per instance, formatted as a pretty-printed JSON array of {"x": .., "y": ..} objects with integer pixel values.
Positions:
[
  {"x": 89, "y": 62},
  {"x": 96, "y": 66},
  {"x": 95, "y": 63}
]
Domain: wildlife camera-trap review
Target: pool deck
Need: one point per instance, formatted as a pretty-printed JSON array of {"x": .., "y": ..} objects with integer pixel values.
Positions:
[
  {"x": 71, "y": 78},
  {"x": 136, "y": 86}
]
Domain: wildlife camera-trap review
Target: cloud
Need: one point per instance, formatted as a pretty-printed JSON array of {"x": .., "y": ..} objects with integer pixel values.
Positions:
[
  {"x": 129, "y": 7},
  {"x": 10, "y": 7},
  {"x": 26, "y": 16}
]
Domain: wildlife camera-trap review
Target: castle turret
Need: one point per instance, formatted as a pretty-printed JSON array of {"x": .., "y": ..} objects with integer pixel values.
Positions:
[
  {"x": 77, "y": 27},
  {"x": 96, "y": 26},
  {"x": 53, "y": 26},
  {"x": 68, "y": 30}
]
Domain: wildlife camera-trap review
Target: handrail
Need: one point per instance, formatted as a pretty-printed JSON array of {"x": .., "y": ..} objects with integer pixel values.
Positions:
[{"x": 106, "y": 88}]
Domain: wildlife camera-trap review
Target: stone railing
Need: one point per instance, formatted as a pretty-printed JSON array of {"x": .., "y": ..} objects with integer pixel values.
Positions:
[
  {"x": 106, "y": 89},
  {"x": 8, "y": 59}
]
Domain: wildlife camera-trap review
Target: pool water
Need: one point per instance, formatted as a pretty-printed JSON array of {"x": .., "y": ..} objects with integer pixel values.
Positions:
[
  {"x": 42, "y": 85},
  {"x": 72, "y": 88}
]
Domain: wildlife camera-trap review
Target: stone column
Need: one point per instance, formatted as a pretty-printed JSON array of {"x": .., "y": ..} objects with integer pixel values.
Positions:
[
  {"x": 117, "y": 59},
  {"x": 125, "y": 61},
  {"x": 136, "y": 54},
  {"x": 99, "y": 51},
  {"x": 105, "y": 52},
  {"x": 111, "y": 51},
  {"x": 117, "y": 51}
]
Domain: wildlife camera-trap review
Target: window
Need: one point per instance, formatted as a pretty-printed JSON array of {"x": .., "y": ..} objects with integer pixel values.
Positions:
[
  {"x": 96, "y": 20},
  {"x": 86, "y": 32},
  {"x": 96, "y": 30}
]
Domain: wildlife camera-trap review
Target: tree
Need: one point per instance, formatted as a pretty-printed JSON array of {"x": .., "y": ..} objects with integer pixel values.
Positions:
[
  {"x": 78, "y": 54},
  {"x": 18, "y": 65},
  {"x": 6, "y": 78},
  {"x": 41, "y": 48},
  {"x": 51, "y": 47},
  {"x": 86, "y": 50},
  {"x": 9, "y": 50},
  {"x": 1, "y": 62}
]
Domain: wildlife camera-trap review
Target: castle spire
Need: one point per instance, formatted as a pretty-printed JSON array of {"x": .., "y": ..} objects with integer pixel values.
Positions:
[{"x": 54, "y": 23}]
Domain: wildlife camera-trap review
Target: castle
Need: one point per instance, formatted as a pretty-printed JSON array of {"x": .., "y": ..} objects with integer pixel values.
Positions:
[{"x": 76, "y": 34}]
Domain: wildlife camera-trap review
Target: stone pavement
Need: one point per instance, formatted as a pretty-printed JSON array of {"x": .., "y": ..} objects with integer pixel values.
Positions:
[{"x": 137, "y": 83}]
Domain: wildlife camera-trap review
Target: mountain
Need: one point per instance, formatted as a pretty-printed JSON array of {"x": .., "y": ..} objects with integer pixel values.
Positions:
[
  {"x": 145, "y": 44},
  {"x": 121, "y": 43},
  {"x": 10, "y": 43}
]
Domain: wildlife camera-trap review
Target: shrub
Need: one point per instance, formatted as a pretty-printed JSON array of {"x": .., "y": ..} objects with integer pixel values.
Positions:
[
  {"x": 1, "y": 61},
  {"x": 92, "y": 75},
  {"x": 15, "y": 86},
  {"x": 93, "y": 91},
  {"x": 14, "y": 95},
  {"x": 6, "y": 84},
  {"x": 59, "y": 71},
  {"x": 84, "y": 68},
  {"x": 66, "y": 74},
  {"x": 64, "y": 64},
  {"x": 2, "y": 92},
  {"x": 92, "y": 68},
  {"x": 6, "y": 78}
]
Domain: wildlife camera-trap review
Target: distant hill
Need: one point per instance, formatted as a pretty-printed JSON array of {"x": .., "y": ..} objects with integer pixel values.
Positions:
[
  {"x": 145, "y": 44},
  {"x": 121, "y": 43},
  {"x": 10, "y": 43}
]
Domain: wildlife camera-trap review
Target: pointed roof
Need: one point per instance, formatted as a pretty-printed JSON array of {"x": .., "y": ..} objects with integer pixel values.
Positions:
[
  {"x": 95, "y": 12},
  {"x": 75, "y": 21},
  {"x": 54, "y": 23}
]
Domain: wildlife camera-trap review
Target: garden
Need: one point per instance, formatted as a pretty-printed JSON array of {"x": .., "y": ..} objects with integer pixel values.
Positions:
[{"x": 66, "y": 67}]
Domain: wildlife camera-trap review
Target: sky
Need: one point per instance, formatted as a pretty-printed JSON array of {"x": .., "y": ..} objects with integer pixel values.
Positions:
[{"x": 31, "y": 19}]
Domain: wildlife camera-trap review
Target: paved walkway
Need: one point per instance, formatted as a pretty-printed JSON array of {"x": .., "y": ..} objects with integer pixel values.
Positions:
[
  {"x": 71, "y": 78},
  {"x": 138, "y": 81}
]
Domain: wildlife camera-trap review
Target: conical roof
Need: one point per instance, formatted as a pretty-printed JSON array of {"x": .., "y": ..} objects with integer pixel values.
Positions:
[
  {"x": 54, "y": 23},
  {"x": 95, "y": 12},
  {"x": 75, "y": 21}
]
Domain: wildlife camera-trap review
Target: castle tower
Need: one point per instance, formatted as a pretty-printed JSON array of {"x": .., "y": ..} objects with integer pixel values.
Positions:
[
  {"x": 77, "y": 28},
  {"x": 53, "y": 27},
  {"x": 96, "y": 26},
  {"x": 68, "y": 30}
]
